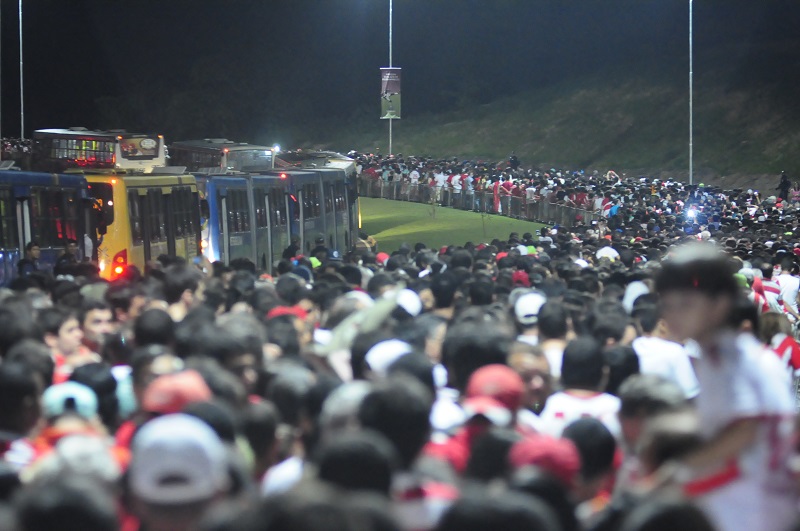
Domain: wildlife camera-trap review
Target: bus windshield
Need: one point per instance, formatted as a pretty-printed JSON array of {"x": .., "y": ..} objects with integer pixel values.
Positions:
[{"x": 249, "y": 159}]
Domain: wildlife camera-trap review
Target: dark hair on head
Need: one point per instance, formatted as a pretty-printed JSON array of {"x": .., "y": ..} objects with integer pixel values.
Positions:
[
  {"x": 444, "y": 287},
  {"x": 545, "y": 487},
  {"x": 583, "y": 364},
  {"x": 142, "y": 357},
  {"x": 647, "y": 315},
  {"x": 282, "y": 332},
  {"x": 18, "y": 387},
  {"x": 18, "y": 324},
  {"x": 488, "y": 459},
  {"x": 352, "y": 274},
  {"x": 89, "y": 305},
  {"x": 98, "y": 378},
  {"x": 178, "y": 279},
  {"x": 665, "y": 514},
  {"x": 35, "y": 355},
  {"x": 468, "y": 347},
  {"x": 417, "y": 366},
  {"x": 377, "y": 283},
  {"x": 315, "y": 507},
  {"x": 362, "y": 343},
  {"x": 154, "y": 327},
  {"x": 355, "y": 461},
  {"x": 511, "y": 511},
  {"x": 711, "y": 277},
  {"x": 461, "y": 258},
  {"x": 259, "y": 422},
  {"x": 744, "y": 310},
  {"x": 67, "y": 502},
  {"x": 552, "y": 320},
  {"x": 648, "y": 395},
  {"x": 291, "y": 289},
  {"x": 52, "y": 319},
  {"x": 596, "y": 446},
  {"x": 287, "y": 388},
  {"x": 481, "y": 292},
  {"x": 399, "y": 408},
  {"x": 218, "y": 415},
  {"x": 622, "y": 362}
]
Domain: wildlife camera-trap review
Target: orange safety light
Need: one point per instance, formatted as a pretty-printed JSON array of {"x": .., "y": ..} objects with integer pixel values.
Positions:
[
  {"x": 283, "y": 176},
  {"x": 118, "y": 270},
  {"x": 113, "y": 181}
]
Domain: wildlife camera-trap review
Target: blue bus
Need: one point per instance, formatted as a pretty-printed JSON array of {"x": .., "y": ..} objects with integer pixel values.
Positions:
[
  {"x": 47, "y": 208},
  {"x": 242, "y": 216},
  {"x": 254, "y": 216}
]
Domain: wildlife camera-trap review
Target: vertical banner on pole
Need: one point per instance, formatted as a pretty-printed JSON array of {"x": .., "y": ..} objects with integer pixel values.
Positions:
[{"x": 390, "y": 94}]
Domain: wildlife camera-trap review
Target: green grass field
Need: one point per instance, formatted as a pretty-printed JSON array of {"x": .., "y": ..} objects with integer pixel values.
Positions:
[{"x": 393, "y": 223}]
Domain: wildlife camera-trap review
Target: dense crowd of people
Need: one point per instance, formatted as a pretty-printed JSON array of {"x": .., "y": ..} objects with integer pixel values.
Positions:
[{"x": 634, "y": 374}]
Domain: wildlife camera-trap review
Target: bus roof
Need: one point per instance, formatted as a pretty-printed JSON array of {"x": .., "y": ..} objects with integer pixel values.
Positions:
[
  {"x": 22, "y": 178},
  {"x": 80, "y": 132},
  {"x": 303, "y": 156},
  {"x": 217, "y": 144}
]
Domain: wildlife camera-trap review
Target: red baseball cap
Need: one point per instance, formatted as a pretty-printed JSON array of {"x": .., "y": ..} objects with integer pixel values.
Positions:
[
  {"x": 484, "y": 406},
  {"x": 499, "y": 382},
  {"x": 170, "y": 393},
  {"x": 558, "y": 457}
]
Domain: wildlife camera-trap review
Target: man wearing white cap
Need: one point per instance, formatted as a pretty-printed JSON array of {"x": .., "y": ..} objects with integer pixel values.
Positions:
[{"x": 179, "y": 469}]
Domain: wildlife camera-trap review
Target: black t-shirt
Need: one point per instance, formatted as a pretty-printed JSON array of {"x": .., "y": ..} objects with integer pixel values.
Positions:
[{"x": 291, "y": 251}]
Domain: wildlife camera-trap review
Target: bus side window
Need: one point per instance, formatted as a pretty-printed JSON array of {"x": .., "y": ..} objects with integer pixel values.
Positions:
[
  {"x": 8, "y": 220},
  {"x": 179, "y": 211},
  {"x": 157, "y": 214},
  {"x": 136, "y": 216}
]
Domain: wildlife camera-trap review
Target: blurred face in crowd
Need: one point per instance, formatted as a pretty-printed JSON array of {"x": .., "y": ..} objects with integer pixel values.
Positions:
[
  {"x": 68, "y": 339},
  {"x": 245, "y": 367},
  {"x": 428, "y": 302},
  {"x": 433, "y": 343},
  {"x": 34, "y": 253},
  {"x": 693, "y": 314},
  {"x": 97, "y": 324},
  {"x": 535, "y": 372}
]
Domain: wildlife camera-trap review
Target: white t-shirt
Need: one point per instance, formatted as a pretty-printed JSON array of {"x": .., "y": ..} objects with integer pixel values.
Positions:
[
  {"x": 440, "y": 179},
  {"x": 790, "y": 285},
  {"x": 668, "y": 360},
  {"x": 564, "y": 408},
  {"x": 414, "y": 177},
  {"x": 282, "y": 477},
  {"x": 555, "y": 356},
  {"x": 607, "y": 252},
  {"x": 746, "y": 381}
]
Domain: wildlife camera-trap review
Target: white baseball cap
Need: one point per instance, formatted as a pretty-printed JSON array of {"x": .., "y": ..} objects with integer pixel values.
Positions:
[
  {"x": 527, "y": 307},
  {"x": 177, "y": 459}
]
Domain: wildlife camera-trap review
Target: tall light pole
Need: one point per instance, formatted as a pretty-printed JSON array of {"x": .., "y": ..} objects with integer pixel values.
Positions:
[
  {"x": 390, "y": 66},
  {"x": 691, "y": 98},
  {"x": 21, "y": 81}
]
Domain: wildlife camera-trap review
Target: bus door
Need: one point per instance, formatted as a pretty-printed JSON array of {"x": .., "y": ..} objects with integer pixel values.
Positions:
[
  {"x": 10, "y": 238},
  {"x": 251, "y": 214},
  {"x": 224, "y": 236},
  {"x": 169, "y": 212},
  {"x": 147, "y": 230},
  {"x": 331, "y": 213}
]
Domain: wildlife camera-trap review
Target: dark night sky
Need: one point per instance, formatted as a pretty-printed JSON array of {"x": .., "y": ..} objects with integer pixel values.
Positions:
[{"x": 323, "y": 55}]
